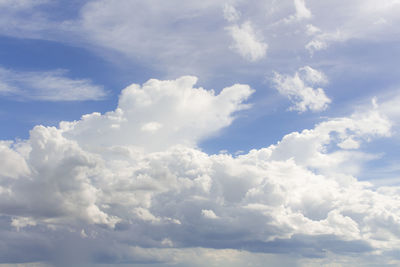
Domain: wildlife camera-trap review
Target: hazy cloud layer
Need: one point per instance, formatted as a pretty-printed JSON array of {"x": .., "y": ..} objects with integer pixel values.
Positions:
[{"x": 195, "y": 39}]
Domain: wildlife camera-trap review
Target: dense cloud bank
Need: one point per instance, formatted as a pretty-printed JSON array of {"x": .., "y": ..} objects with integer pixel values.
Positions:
[{"x": 132, "y": 186}]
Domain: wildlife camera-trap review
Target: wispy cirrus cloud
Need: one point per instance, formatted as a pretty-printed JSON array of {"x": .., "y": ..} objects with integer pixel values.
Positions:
[
  {"x": 110, "y": 25},
  {"x": 48, "y": 86}
]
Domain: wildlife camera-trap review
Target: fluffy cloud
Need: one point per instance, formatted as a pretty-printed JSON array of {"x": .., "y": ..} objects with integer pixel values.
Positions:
[
  {"x": 160, "y": 114},
  {"x": 247, "y": 43},
  {"x": 122, "y": 199},
  {"x": 298, "y": 89},
  {"x": 48, "y": 86}
]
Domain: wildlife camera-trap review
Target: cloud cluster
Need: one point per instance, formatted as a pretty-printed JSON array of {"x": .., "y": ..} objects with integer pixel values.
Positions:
[
  {"x": 143, "y": 190},
  {"x": 299, "y": 90},
  {"x": 48, "y": 86}
]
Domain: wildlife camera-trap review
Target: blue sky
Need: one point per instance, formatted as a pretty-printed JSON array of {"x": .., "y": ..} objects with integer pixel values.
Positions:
[{"x": 199, "y": 133}]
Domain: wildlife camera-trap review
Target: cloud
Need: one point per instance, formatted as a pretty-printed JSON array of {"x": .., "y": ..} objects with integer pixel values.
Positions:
[
  {"x": 230, "y": 13},
  {"x": 369, "y": 24},
  {"x": 209, "y": 214},
  {"x": 311, "y": 29},
  {"x": 144, "y": 115},
  {"x": 21, "y": 4},
  {"x": 131, "y": 185},
  {"x": 298, "y": 89},
  {"x": 164, "y": 37},
  {"x": 322, "y": 40},
  {"x": 247, "y": 43},
  {"x": 65, "y": 199},
  {"x": 193, "y": 39},
  {"x": 48, "y": 86},
  {"x": 302, "y": 12}
]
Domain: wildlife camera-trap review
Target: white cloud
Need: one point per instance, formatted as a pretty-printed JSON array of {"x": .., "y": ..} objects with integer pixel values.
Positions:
[
  {"x": 167, "y": 38},
  {"x": 309, "y": 148},
  {"x": 302, "y": 12},
  {"x": 298, "y": 89},
  {"x": 311, "y": 29},
  {"x": 48, "y": 86},
  {"x": 312, "y": 76},
  {"x": 230, "y": 13},
  {"x": 146, "y": 215},
  {"x": 12, "y": 164},
  {"x": 300, "y": 192},
  {"x": 362, "y": 20},
  {"x": 322, "y": 40},
  {"x": 209, "y": 214},
  {"x": 247, "y": 43},
  {"x": 158, "y": 31},
  {"x": 151, "y": 127},
  {"x": 137, "y": 170},
  {"x": 19, "y": 223},
  {"x": 316, "y": 45},
  {"x": 196, "y": 112},
  {"x": 160, "y": 36}
]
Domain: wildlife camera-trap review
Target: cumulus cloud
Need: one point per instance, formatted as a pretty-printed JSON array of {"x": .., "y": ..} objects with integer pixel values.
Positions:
[
  {"x": 247, "y": 43},
  {"x": 48, "y": 86},
  {"x": 160, "y": 114},
  {"x": 299, "y": 90},
  {"x": 65, "y": 199}
]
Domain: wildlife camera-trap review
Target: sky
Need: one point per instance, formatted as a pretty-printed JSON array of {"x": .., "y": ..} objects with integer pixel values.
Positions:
[{"x": 199, "y": 133}]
